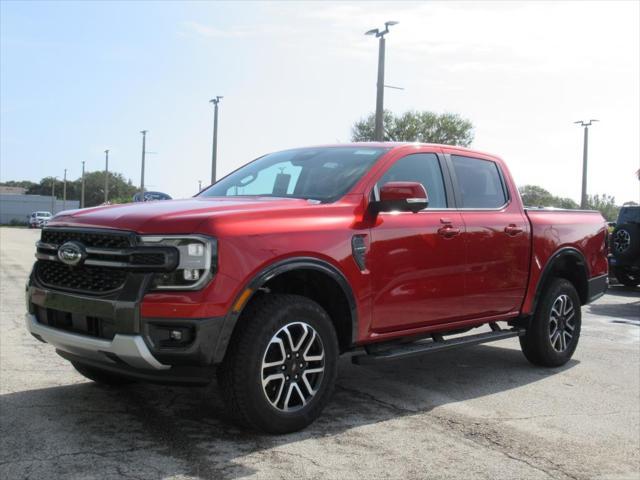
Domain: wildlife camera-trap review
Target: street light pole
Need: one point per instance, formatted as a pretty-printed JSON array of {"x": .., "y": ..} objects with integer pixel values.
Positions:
[
  {"x": 586, "y": 124},
  {"x": 64, "y": 191},
  {"x": 214, "y": 147},
  {"x": 106, "y": 176},
  {"x": 378, "y": 135},
  {"x": 82, "y": 188},
  {"x": 53, "y": 195},
  {"x": 144, "y": 140}
]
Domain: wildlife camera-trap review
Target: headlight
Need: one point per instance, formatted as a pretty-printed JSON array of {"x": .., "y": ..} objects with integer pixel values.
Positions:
[{"x": 196, "y": 265}]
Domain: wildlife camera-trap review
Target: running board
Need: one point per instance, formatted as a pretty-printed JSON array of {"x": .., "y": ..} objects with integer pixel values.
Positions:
[{"x": 436, "y": 345}]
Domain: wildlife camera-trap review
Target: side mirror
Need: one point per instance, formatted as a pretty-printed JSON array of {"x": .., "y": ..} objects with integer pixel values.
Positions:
[{"x": 402, "y": 196}]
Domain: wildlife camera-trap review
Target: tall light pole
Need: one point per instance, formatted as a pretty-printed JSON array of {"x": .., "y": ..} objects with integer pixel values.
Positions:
[
  {"x": 586, "y": 124},
  {"x": 64, "y": 191},
  {"x": 144, "y": 143},
  {"x": 378, "y": 135},
  {"x": 214, "y": 147},
  {"x": 53, "y": 195},
  {"x": 82, "y": 188},
  {"x": 106, "y": 176}
]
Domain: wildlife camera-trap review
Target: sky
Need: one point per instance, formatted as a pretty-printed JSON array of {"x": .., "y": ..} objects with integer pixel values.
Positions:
[{"x": 77, "y": 78}]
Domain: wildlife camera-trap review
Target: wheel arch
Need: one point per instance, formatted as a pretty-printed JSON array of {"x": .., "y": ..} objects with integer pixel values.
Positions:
[
  {"x": 567, "y": 263},
  {"x": 276, "y": 278}
]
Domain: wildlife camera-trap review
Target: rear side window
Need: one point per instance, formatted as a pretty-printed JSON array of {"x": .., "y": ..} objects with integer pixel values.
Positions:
[
  {"x": 479, "y": 182},
  {"x": 423, "y": 168}
]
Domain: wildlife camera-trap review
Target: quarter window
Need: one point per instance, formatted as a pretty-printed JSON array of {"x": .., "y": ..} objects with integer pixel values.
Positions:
[
  {"x": 479, "y": 182},
  {"x": 423, "y": 168}
]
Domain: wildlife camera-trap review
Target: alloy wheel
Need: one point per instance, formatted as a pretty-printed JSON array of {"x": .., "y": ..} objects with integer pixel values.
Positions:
[
  {"x": 562, "y": 323},
  {"x": 293, "y": 366}
]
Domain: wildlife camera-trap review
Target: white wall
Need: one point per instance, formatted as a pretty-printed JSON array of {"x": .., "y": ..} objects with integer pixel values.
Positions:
[{"x": 19, "y": 207}]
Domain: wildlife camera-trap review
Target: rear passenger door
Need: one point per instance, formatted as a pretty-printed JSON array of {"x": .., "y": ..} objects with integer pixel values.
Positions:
[{"x": 496, "y": 237}]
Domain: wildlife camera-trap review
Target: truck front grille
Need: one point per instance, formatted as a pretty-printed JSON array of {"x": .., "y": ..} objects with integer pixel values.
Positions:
[
  {"x": 107, "y": 258},
  {"x": 88, "y": 239},
  {"x": 84, "y": 278}
]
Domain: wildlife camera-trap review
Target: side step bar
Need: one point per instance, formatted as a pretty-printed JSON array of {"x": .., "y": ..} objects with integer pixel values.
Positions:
[{"x": 437, "y": 344}]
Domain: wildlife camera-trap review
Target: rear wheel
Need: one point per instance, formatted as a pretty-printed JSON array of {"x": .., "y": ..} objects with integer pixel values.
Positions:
[
  {"x": 281, "y": 366},
  {"x": 101, "y": 376},
  {"x": 553, "y": 333}
]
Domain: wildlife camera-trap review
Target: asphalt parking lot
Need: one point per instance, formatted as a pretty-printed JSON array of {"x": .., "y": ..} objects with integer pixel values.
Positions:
[{"x": 482, "y": 412}]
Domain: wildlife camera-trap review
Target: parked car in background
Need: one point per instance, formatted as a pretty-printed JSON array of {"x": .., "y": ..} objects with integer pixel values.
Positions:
[
  {"x": 39, "y": 219},
  {"x": 149, "y": 196},
  {"x": 380, "y": 250},
  {"x": 625, "y": 247}
]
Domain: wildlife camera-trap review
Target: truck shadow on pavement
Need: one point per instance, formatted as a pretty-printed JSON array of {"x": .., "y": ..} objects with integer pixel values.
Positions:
[
  {"x": 629, "y": 311},
  {"x": 148, "y": 431}
]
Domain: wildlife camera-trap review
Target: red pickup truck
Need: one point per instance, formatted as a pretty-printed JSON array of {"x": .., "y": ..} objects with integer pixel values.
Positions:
[{"x": 379, "y": 250}]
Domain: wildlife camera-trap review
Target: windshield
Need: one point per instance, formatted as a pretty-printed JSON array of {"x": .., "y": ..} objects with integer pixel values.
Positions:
[{"x": 324, "y": 174}]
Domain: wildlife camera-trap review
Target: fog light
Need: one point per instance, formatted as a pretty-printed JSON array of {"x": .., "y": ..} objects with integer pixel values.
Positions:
[
  {"x": 175, "y": 335},
  {"x": 191, "y": 274}
]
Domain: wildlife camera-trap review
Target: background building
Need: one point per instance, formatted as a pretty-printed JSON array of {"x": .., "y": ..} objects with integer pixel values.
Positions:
[{"x": 16, "y": 208}]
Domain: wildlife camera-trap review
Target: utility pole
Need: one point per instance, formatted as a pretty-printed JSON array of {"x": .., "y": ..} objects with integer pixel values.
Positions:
[
  {"x": 53, "y": 195},
  {"x": 586, "y": 124},
  {"x": 64, "y": 191},
  {"x": 106, "y": 176},
  {"x": 214, "y": 148},
  {"x": 378, "y": 135},
  {"x": 82, "y": 188},
  {"x": 144, "y": 140}
]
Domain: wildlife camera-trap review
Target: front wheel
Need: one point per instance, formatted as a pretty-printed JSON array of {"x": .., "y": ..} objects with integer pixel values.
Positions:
[
  {"x": 281, "y": 366},
  {"x": 553, "y": 333}
]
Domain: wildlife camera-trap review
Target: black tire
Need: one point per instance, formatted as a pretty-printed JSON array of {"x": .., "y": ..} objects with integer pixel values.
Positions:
[
  {"x": 242, "y": 372},
  {"x": 625, "y": 241},
  {"x": 626, "y": 278},
  {"x": 537, "y": 344},
  {"x": 101, "y": 376}
]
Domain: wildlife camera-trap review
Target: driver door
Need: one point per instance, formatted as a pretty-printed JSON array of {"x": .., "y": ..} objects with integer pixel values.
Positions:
[{"x": 417, "y": 259}]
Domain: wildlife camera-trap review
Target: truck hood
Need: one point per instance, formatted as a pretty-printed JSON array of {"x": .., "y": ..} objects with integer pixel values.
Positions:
[{"x": 170, "y": 216}]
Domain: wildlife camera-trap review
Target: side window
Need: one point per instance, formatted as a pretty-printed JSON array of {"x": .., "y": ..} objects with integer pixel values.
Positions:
[
  {"x": 479, "y": 182},
  {"x": 423, "y": 168}
]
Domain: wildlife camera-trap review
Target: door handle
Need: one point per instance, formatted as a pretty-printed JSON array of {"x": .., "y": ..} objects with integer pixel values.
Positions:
[
  {"x": 448, "y": 231},
  {"x": 513, "y": 230}
]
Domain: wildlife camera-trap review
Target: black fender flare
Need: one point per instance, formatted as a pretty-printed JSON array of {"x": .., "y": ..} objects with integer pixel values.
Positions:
[
  {"x": 557, "y": 256},
  {"x": 272, "y": 271}
]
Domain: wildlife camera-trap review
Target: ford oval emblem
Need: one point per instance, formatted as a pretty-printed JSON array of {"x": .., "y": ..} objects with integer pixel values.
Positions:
[{"x": 71, "y": 253}]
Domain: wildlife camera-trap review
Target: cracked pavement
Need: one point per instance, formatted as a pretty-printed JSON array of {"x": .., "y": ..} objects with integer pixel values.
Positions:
[{"x": 481, "y": 412}]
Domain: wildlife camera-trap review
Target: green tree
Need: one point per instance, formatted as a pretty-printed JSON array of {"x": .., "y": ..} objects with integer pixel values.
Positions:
[
  {"x": 18, "y": 183},
  {"x": 536, "y": 196},
  {"x": 605, "y": 204},
  {"x": 413, "y": 126},
  {"x": 119, "y": 188}
]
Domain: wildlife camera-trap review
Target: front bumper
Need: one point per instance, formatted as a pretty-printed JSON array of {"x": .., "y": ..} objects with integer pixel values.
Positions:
[
  {"x": 130, "y": 349},
  {"x": 108, "y": 332}
]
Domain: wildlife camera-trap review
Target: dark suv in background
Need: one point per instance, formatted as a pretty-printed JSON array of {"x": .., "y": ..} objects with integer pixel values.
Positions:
[{"x": 625, "y": 247}]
